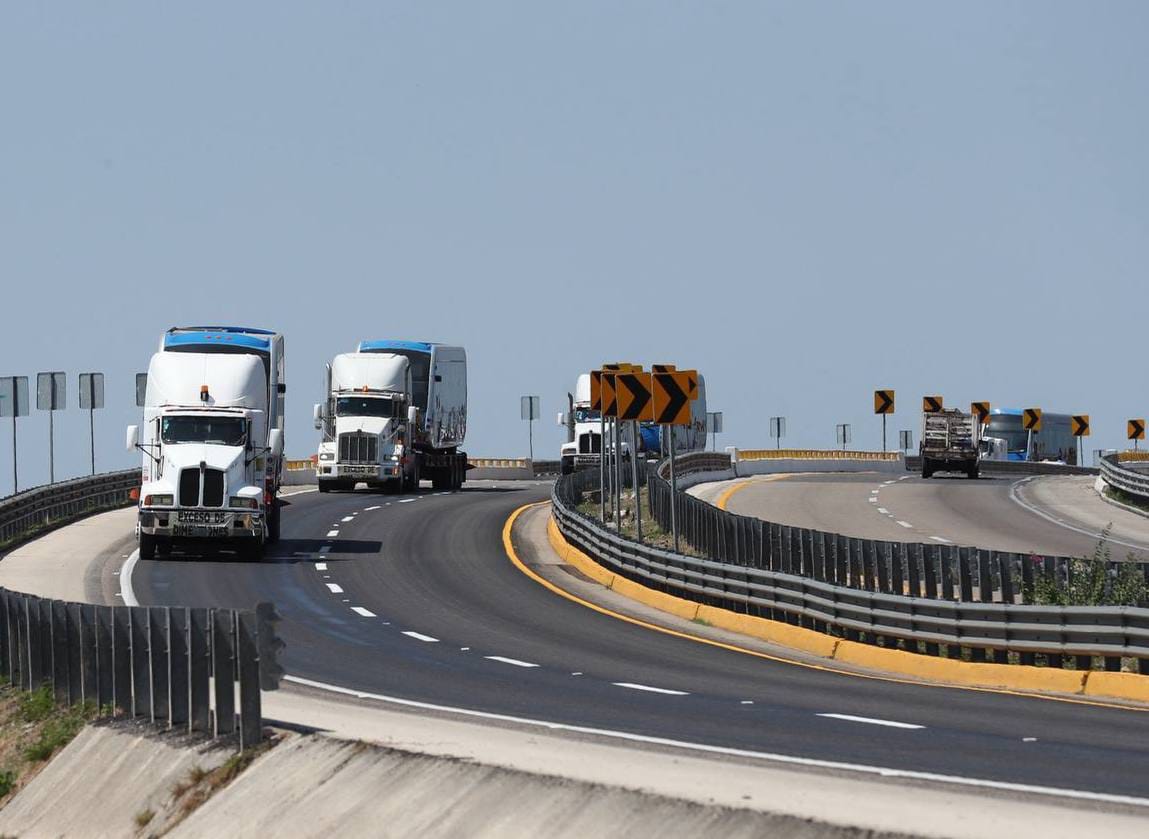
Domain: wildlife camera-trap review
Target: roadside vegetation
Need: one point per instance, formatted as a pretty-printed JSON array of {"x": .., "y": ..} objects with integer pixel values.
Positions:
[
  {"x": 33, "y": 728},
  {"x": 1091, "y": 581},
  {"x": 652, "y": 533},
  {"x": 1125, "y": 498}
]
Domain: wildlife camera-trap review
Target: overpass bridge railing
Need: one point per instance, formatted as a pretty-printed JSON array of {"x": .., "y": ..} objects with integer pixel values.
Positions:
[
  {"x": 1118, "y": 472},
  {"x": 932, "y": 599}
]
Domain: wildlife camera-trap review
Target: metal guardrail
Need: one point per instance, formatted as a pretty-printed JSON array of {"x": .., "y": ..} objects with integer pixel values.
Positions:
[
  {"x": 1015, "y": 467},
  {"x": 928, "y": 599},
  {"x": 179, "y": 668},
  {"x": 1128, "y": 481},
  {"x": 1132, "y": 457},
  {"x": 813, "y": 454},
  {"x": 44, "y": 507}
]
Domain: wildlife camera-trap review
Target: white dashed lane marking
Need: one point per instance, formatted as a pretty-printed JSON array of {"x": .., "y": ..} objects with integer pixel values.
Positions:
[
  {"x": 513, "y": 661},
  {"x": 649, "y": 689},
  {"x": 940, "y": 539},
  {"x": 906, "y": 524},
  {"x": 883, "y": 511},
  {"x": 332, "y": 533},
  {"x": 872, "y": 721},
  {"x": 335, "y": 588},
  {"x": 359, "y": 610},
  {"x": 321, "y": 566},
  {"x": 419, "y": 636},
  {"x": 347, "y": 518},
  {"x": 407, "y": 500},
  {"x": 369, "y": 509}
]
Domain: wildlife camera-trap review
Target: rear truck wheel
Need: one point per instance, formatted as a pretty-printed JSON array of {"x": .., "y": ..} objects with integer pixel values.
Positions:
[
  {"x": 411, "y": 482},
  {"x": 147, "y": 546},
  {"x": 974, "y": 472},
  {"x": 324, "y": 486},
  {"x": 252, "y": 551},
  {"x": 927, "y": 469},
  {"x": 273, "y": 519},
  {"x": 567, "y": 466},
  {"x": 460, "y": 473}
]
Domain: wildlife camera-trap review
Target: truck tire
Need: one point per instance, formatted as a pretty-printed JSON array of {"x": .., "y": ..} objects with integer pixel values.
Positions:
[
  {"x": 251, "y": 552},
  {"x": 567, "y": 466},
  {"x": 325, "y": 486},
  {"x": 411, "y": 482},
  {"x": 147, "y": 546},
  {"x": 927, "y": 469},
  {"x": 460, "y": 472},
  {"x": 973, "y": 472},
  {"x": 273, "y": 519}
]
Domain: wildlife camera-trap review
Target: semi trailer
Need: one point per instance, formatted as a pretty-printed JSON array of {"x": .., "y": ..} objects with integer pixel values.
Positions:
[
  {"x": 212, "y": 441},
  {"x": 949, "y": 443},
  {"x": 395, "y": 414}
]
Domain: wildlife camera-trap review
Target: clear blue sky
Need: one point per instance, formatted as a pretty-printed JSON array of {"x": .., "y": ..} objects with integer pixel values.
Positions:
[{"x": 804, "y": 201}]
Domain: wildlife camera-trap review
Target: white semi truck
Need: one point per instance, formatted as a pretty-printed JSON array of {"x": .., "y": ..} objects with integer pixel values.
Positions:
[
  {"x": 212, "y": 441},
  {"x": 395, "y": 414},
  {"x": 583, "y": 447}
]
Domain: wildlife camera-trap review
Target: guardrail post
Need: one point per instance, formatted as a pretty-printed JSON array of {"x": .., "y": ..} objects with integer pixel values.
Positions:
[
  {"x": 105, "y": 680},
  {"x": 141, "y": 675},
  {"x": 898, "y": 555},
  {"x": 44, "y": 618},
  {"x": 199, "y": 670},
  {"x": 60, "y": 687},
  {"x": 75, "y": 665},
  {"x": 882, "y": 560},
  {"x": 177, "y": 634},
  {"x": 122, "y": 671},
  {"x": 35, "y": 641},
  {"x": 869, "y": 578},
  {"x": 20, "y": 640},
  {"x": 158, "y": 662},
  {"x": 87, "y": 644},
  {"x": 5, "y": 639},
  {"x": 223, "y": 669},
  {"x": 841, "y": 560},
  {"x": 250, "y": 719}
]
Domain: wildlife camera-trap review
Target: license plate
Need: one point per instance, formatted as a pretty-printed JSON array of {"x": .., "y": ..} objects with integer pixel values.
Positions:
[
  {"x": 199, "y": 531},
  {"x": 200, "y": 517}
]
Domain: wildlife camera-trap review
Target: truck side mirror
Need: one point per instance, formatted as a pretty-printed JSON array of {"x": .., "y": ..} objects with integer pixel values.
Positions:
[
  {"x": 413, "y": 417},
  {"x": 275, "y": 442},
  {"x": 317, "y": 415},
  {"x": 133, "y": 437},
  {"x": 561, "y": 420}
]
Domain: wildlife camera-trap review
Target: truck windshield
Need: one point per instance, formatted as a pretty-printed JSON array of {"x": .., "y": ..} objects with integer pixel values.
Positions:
[
  {"x": 585, "y": 415},
  {"x": 365, "y": 406},
  {"x": 222, "y": 431}
]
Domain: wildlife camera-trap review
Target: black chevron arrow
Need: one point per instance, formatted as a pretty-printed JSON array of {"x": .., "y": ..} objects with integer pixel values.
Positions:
[
  {"x": 640, "y": 397},
  {"x": 885, "y": 402},
  {"x": 1136, "y": 429},
  {"x": 676, "y": 399}
]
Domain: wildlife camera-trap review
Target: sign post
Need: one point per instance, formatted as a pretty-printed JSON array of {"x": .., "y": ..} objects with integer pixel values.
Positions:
[
  {"x": 92, "y": 400},
  {"x": 714, "y": 427},
  {"x": 596, "y": 405},
  {"x": 529, "y": 411},
  {"x": 635, "y": 405},
  {"x": 843, "y": 435},
  {"x": 905, "y": 440},
  {"x": 777, "y": 430},
  {"x": 1135, "y": 430},
  {"x": 51, "y": 396},
  {"x": 884, "y": 405},
  {"x": 1031, "y": 422},
  {"x": 610, "y": 410},
  {"x": 1079, "y": 425},
  {"x": 672, "y": 394},
  {"x": 14, "y": 403}
]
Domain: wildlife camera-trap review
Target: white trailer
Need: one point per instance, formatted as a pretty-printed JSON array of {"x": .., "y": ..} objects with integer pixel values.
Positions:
[{"x": 212, "y": 442}]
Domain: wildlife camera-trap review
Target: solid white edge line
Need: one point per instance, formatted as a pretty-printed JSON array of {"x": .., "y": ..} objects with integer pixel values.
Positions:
[
  {"x": 506, "y": 660},
  {"x": 419, "y": 636},
  {"x": 1016, "y": 498},
  {"x": 649, "y": 689},
  {"x": 359, "y": 610},
  {"x": 862, "y": 768},
  {"x": 871, "y": 721},
  {"x": 126, "y": 590}
]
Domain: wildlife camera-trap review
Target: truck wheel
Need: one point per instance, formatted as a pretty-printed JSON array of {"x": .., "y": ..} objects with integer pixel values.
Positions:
[
  {"x": 252, "y": 552},
  {"x": 567, "y": 467},
  {"x": 147, "y": 546},
  {"x": 325, "y": 486},
  {"x": 411, "y": 484},
  {"x": 460, "y": 473},
  {"x": 927, "y": 469},
  {"x": 974, "y": 472},
  {"x": 273, "y": 521}
]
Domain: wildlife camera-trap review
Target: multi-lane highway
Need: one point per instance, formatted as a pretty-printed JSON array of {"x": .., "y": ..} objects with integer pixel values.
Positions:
[
  {"x": 414, "y": 597},
  {"x": 1003, "y": 513}
]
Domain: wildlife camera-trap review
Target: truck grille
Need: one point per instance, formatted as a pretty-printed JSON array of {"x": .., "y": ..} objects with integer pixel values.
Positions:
[
  {"x": 358, "y": 448},
  {"x": 590, "y": 444},
  {"x": 190, "y": 488}
]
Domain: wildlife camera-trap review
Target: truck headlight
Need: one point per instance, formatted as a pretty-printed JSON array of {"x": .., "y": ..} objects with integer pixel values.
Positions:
[
  {"x": 165, "y": 500},
  {"x": 327, "y": 455},
  {"x": 247, "y": 503}
]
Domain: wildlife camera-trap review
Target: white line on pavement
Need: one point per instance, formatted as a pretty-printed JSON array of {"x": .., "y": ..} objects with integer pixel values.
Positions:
[
  {"x": 335, "y": 588},
  {"x": 347, "y": 518},
  {"x": 883, "y": 511},
  {"x": 649, "y": 689},
  {"x": 905, "y": 524},
  {"x": 872, "y": 721},
  {"x": 369, "y": 509},
  {"x": 359, "y": 610},
  {"x": 513, "y": 661},
  {"x": 873, "y": 500},
  {"x": 333, "y": 533},
  {"x": 940, "y": 539},
  {"x": 419, "y": 636},
  {"x": 409, "y": 500},
  {"x": 321, "y": 566}
]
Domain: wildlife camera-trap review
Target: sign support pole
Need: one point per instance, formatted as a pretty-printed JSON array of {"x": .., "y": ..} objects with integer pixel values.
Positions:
[
  {"x": 634, "y": 477},
  {"x": 883, "y": 433},
  {"x": 1029, "y": 446},
  {"x": 92, "y": 435},
  {"x": 673, "y": 493},
  {"x": 602, "y": 464},
  {"x": 51, "y": 448},
  {"x": 15, "y": 473}
]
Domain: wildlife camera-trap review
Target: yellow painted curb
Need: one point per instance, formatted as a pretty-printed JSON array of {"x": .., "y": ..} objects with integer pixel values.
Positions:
[
  {"x": 775, "y": 632},
  {"x": 727, "y": 493},
  {"x": 939, "y": 672},
  {"x": 1120, "y": 685}
]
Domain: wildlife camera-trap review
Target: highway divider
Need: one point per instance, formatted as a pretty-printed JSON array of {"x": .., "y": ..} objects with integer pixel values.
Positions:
[
  {"x": 1117, "y": 472},
  {"x": 746, "y": 462},
  {"x": 921, "y": 600},
  {"x": 44, "y": 508}
]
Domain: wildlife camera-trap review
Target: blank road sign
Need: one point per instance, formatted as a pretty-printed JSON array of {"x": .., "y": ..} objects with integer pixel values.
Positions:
[
  {"x": 1135, "y": 429},
  {"x": 14, "y": 396},
  {"x": 529, "y": 407},
  {"x": 932, "y": 404},
  {"x": 51, "y": 392},
  {"x": 843, "y": 434},
  {"x": 883, "y": 401},
  {"x": 91, "y": 391},
  {"x": 141, "y": 389},
  {"x": 713, "y": 422},
  {"x": 777, "y": 428},
  {"x": 1079, "y": 425},
  {"x": 980, "y": 410},
  {"x": 905, "y": 440},
  {"x": 1031, "y": 419}
]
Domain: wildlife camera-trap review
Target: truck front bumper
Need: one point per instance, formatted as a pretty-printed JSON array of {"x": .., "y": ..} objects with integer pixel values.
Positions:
[
  {"x": 181, "y": 523},
  {"x": 359, "y": 471}
]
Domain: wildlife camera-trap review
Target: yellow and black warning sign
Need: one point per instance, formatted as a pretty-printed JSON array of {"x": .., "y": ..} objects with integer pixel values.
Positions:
[
  {"x": 979, "y": 411},
  {"x": 1031, "y": 419},
  {"x": 633, "y": 395},
  {"x": 1135, "y": 429},
  {"x": 1079, "y": 425},
  {"x": 932, "y": 404},
  {"x": 596, "y": 390},
  {"x": 883, "y": 401},
  {"x": 671, "y": 396},
  {"x": 609, "y": 402}
]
